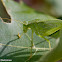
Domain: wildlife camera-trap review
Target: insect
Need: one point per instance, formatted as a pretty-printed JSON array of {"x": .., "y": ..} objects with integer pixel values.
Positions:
[{"x": 32, "y": 44}]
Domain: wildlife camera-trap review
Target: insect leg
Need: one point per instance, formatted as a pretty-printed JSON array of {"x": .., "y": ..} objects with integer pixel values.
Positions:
[
  {"x": 46, "y": 40},
  {"x": 31, "y": 48}
]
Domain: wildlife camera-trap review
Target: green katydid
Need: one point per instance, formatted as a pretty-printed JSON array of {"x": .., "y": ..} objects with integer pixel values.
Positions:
[{"x": 37, "y": 27}]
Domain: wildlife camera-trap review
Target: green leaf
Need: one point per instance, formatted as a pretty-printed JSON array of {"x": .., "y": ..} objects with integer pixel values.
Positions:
[
  {"x": 24, "y": 14},
  {"x": 20, "y": 13}
]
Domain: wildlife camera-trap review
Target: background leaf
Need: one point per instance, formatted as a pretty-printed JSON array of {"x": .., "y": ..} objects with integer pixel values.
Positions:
[
  {"x": 3, "y": 12},
  {"x": 24, "y": 14}
]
